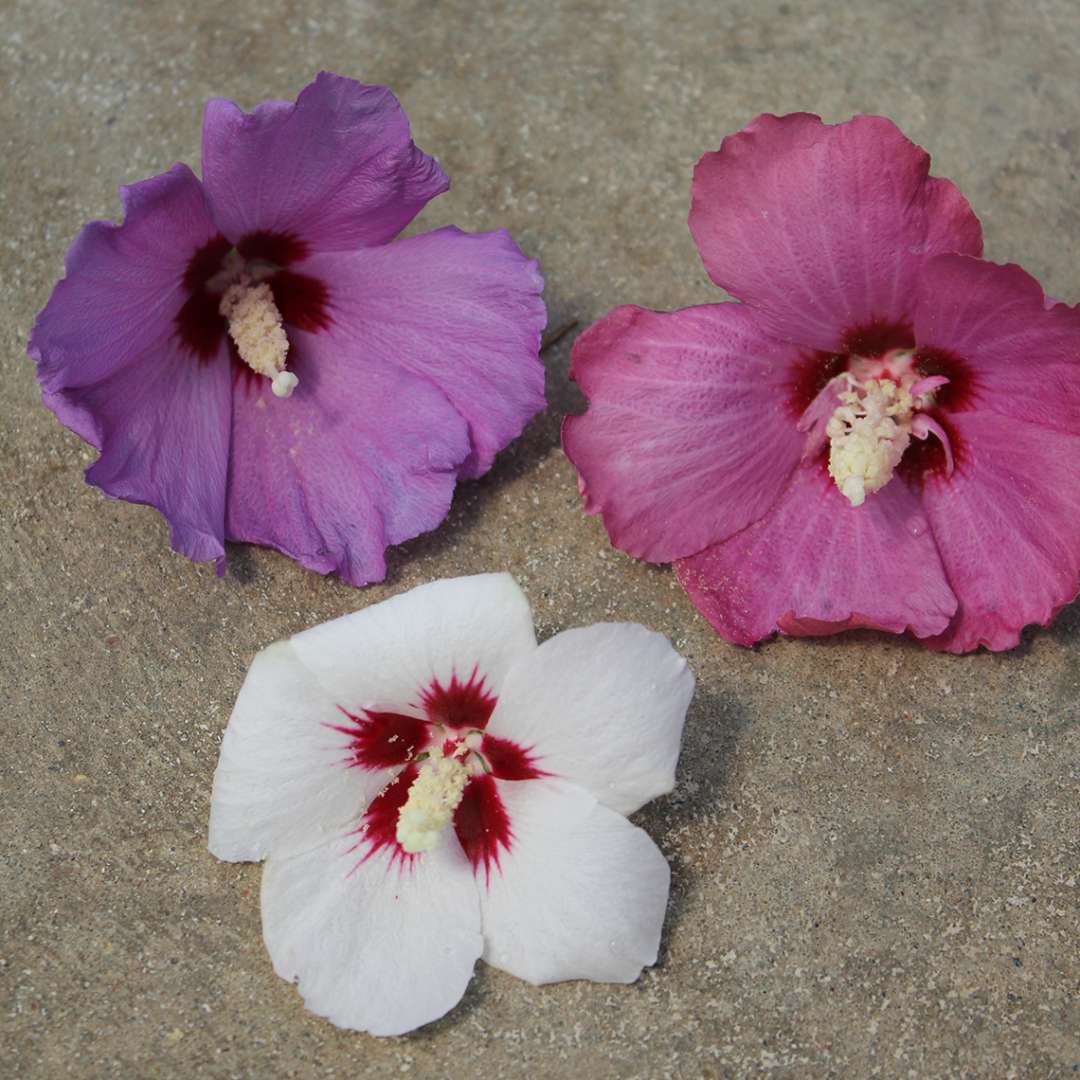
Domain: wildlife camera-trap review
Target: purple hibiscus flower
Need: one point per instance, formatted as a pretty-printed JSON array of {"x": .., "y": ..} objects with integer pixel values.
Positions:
[{"x": 253, "y": 357}]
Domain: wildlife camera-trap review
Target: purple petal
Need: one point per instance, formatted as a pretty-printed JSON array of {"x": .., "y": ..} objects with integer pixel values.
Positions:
[
  {"x": 817, "y": 565},
  {"x": 824, "y": 227},
  {"x": 462, "y": 311},
  {"x": 361, "y": 456},
  {"x": 113, "y": 370},
  {"x": 124, "y": 285},
  {"x": 1021, "y": 357},
  {"x": 687, "y": 438},
  {"x": 336, "y": 170},
  {"x": 162, "y": 426}
]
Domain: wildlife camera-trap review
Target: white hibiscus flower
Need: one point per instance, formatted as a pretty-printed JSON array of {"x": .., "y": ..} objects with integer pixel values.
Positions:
[{"x": 430, "y": 786}]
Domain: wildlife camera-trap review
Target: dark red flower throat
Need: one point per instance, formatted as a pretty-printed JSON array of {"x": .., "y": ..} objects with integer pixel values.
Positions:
[
  {"x": 303, "y": 300},
  {"x": 440, "y": 722},
  {"x": 877, "y": 339}
]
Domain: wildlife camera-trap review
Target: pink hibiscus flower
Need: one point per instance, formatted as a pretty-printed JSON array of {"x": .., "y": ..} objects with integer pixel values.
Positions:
[
  {"x": 429, "y": 786},
  {"x": 885, "y": 432},
  {"x": 253, "y": 357}
]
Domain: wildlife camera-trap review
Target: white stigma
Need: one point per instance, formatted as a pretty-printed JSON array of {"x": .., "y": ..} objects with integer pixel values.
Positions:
[
  {"x": 868, "y": 434},
  {"x": 283, "y": 383},
  {"x": 433, "y": 797},
  {"x": 255, "y": 324}
]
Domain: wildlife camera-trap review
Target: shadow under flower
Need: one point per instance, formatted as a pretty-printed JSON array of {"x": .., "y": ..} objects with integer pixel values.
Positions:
[
  {"x": 477, "y": 993},
  {"x": 714, "y": 725},
  {"x": 1066, "y": 627},
  {"x": 239, "y": 562}
]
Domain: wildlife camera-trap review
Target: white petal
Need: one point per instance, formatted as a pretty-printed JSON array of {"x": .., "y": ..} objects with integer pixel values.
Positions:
[
  {"x": 604, "y": 707},
  {"x": 376, "y": 946},
  {"x": 282, "y": 783},
  {"x": 581, "y": 893},
  {"x": 382, "y": 656}
]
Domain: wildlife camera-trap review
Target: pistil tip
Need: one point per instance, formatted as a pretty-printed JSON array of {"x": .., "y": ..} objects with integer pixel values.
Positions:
[{"x": 283, "y": 384}]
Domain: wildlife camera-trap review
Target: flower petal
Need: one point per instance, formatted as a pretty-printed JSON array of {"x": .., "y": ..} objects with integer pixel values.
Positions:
[
  {"x": 359, "y": 457},
  {"x": 386, "y": 654},
  {"x": 581, "y": 893},
  {"x": 284, "y": 781},
  {"x": 162, "y": 425},
  {"x": 1007, "y": 524},
  {"x": 482, "y": 825},
  {"x": 123, "y": 287},
  {"x": 336, "y": 170},
  {"x": 817, "y": 565},
  {"x": 1023, "y": 355},
  {"x": 824, "y": 227},
  {"x": 378, "y": 945},
  {"x": 114, "y": 372},
  {"x": 463, "y": 310},
  {"x": 602, "y": 706},
  {"x": 687, "y": 438}
]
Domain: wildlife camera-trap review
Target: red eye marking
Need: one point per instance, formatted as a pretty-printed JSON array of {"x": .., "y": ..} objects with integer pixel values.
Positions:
[{"x": 459, "y": 705}]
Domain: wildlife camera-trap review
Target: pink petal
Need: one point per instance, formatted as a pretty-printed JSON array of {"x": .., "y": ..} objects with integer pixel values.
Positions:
[
  {"x": 923, "y": 426},
  {"x": 824, "y": 227},
  {"x": 336, "y": 170},
  {"x": 462, "y": 311},
  {"x": 1008, "y": 527},
  {"x": 1022, "y": 358},
  {"x": 361, "y": 456},
  {"x": 688, "y": 437},
  {"x": 814, "y": 422},
  {"x": 927, "y": 385},
  {"x": 817, "y": 565}
]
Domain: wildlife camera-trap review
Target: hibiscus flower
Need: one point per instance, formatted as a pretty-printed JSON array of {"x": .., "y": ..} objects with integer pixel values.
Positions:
[
  {"x": 885, "y": 432},
  {"x": 253, "y": 357},
  {"x": 430, "y": 786}
]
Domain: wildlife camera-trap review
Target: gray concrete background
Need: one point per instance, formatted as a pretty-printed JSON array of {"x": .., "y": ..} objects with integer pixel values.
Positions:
[{"x": 874, "y": 848}]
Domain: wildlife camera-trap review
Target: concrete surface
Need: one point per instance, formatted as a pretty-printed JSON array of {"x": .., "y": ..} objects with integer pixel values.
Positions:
[{"x": 875, "y": 848}]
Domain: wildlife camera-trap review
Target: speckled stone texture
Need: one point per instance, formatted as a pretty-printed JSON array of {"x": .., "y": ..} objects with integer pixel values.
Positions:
[{"x": 875, "y": 848}]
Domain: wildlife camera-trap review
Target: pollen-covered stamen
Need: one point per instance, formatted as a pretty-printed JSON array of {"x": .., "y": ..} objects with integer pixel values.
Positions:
[
  {"x": 255, "y": 324},
  {"x": 433, "y": 797},
  {"x": 868, "y": 434},
  {"x": 872, "y": 426}
]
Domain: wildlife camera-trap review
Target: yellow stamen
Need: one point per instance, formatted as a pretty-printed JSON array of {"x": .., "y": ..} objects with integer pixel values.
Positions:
[
  {"x": 255, "y": 324},
  {"x": 868, "y": 434},
  {"x": 433, "y": 797}
]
